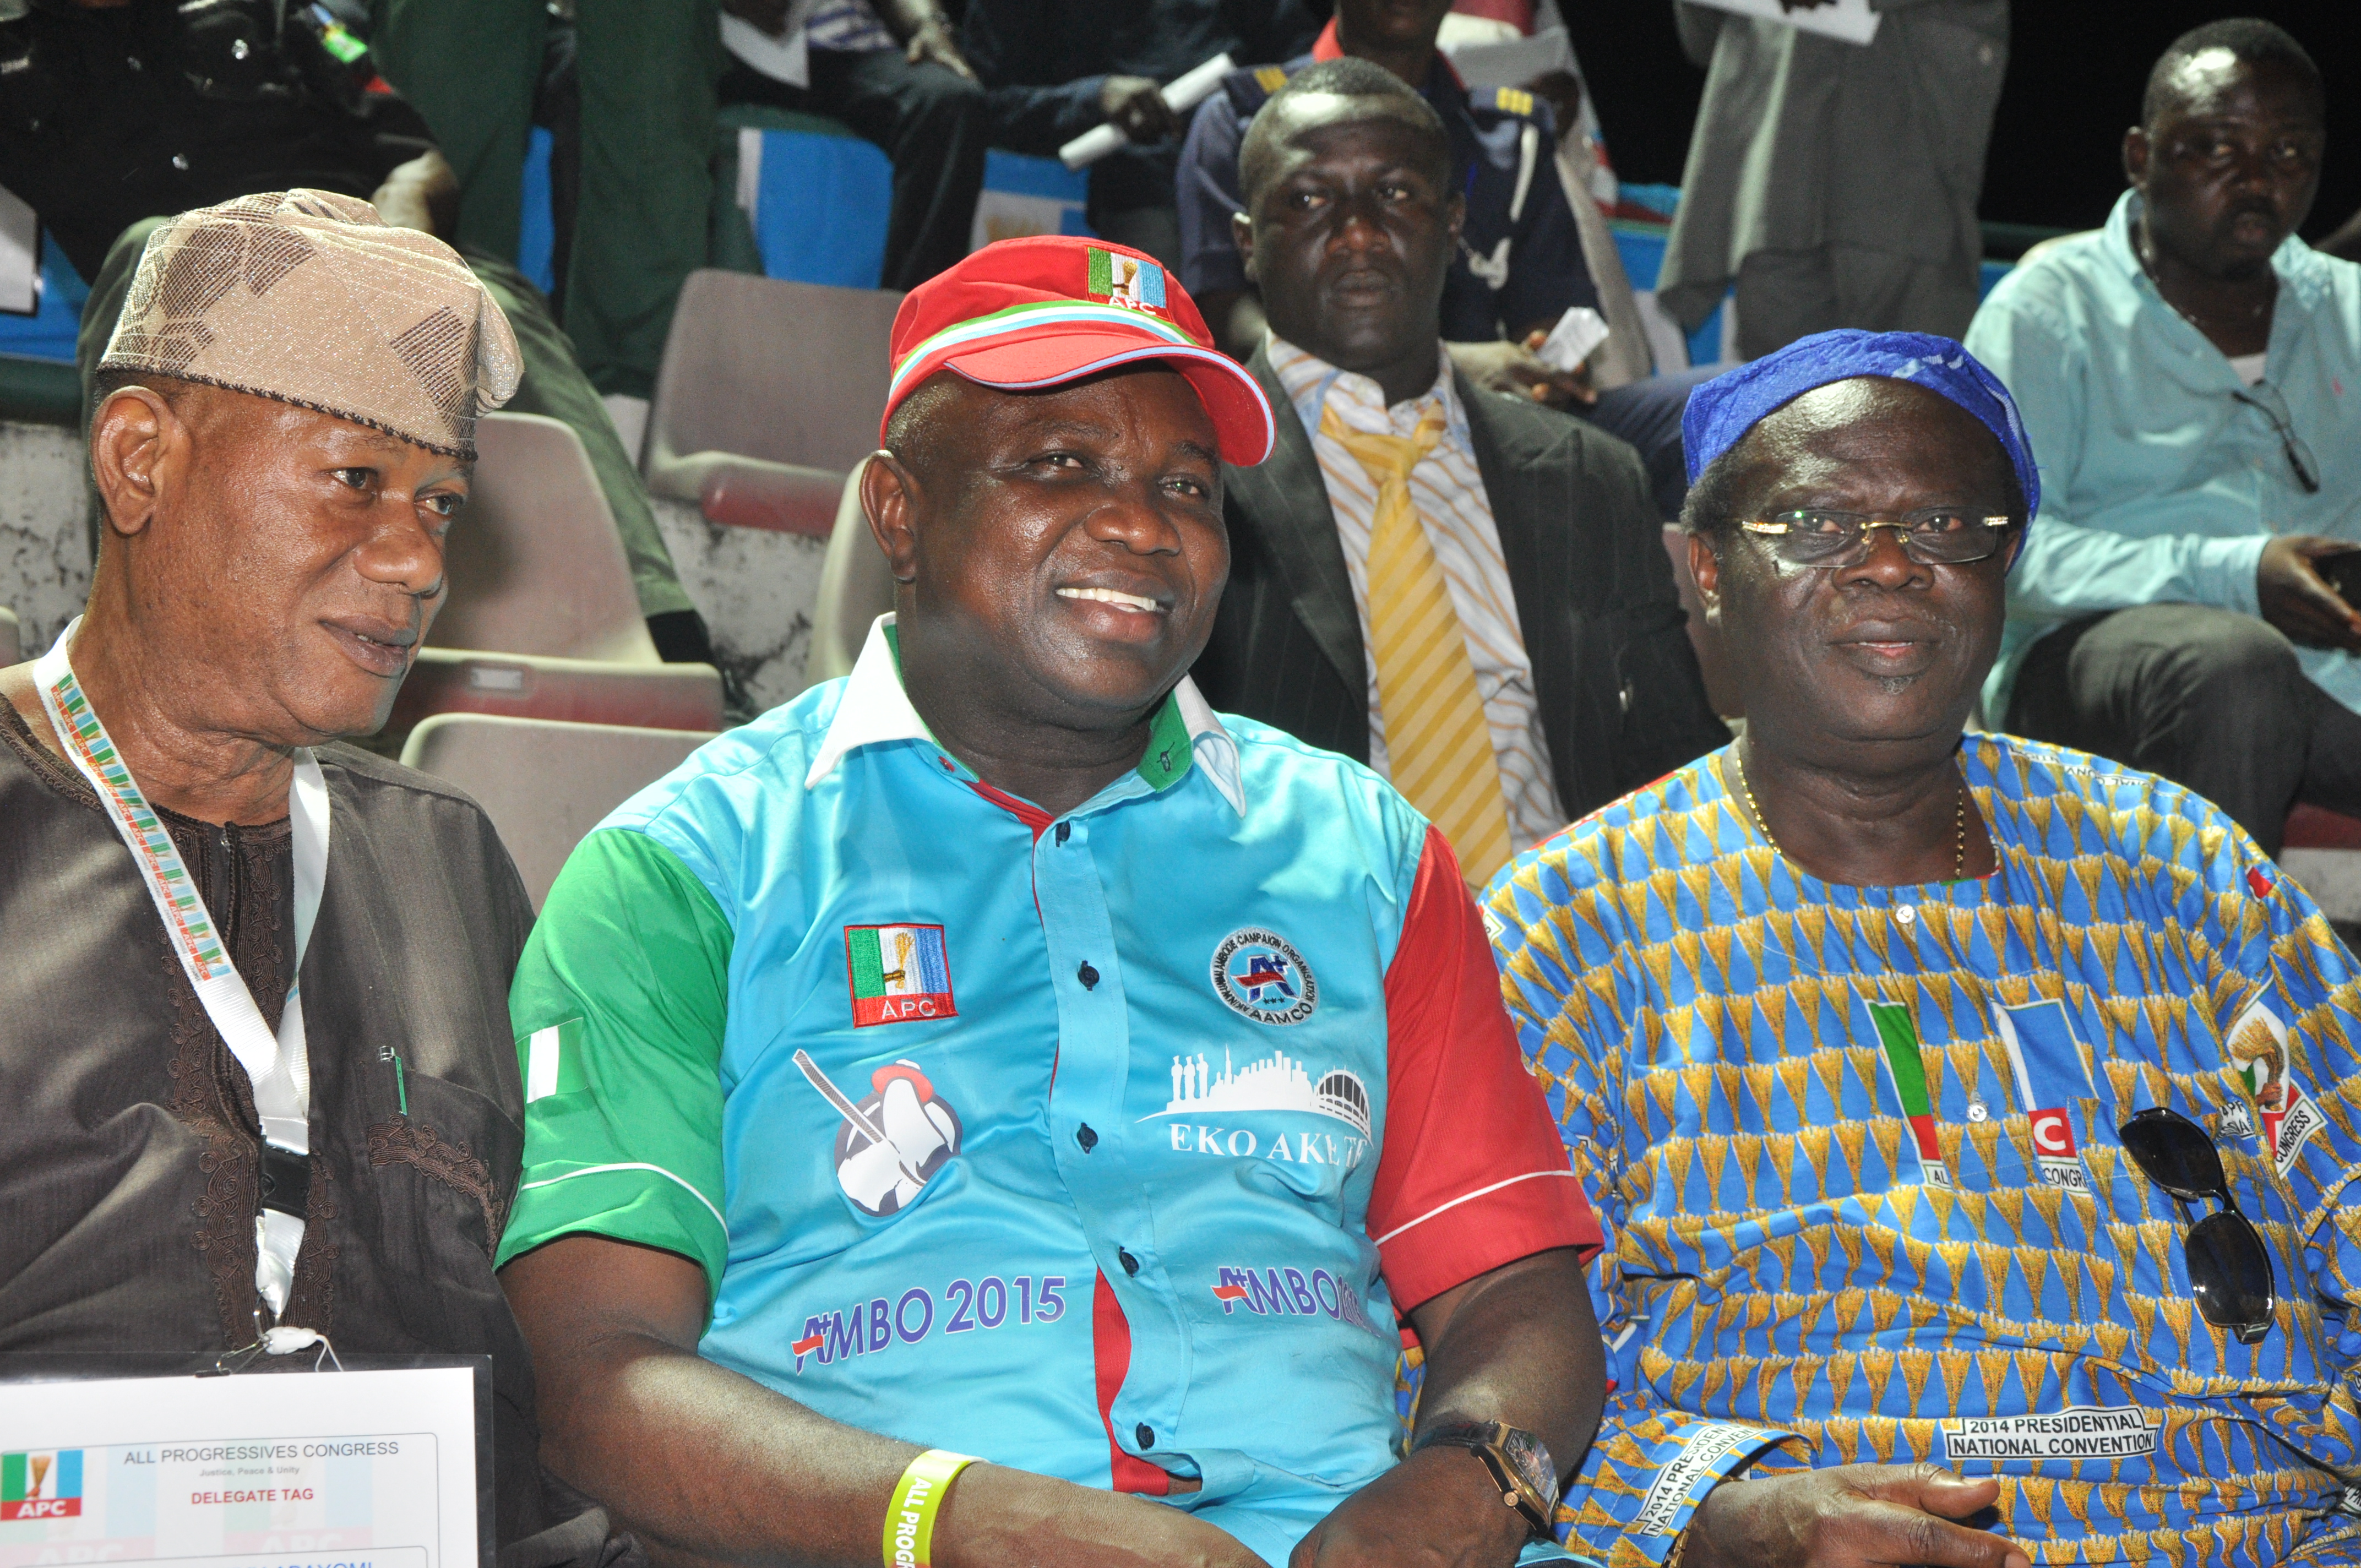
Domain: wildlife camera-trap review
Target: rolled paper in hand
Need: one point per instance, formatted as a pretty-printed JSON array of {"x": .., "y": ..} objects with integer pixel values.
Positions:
[{"x": 1180, "y": 95}]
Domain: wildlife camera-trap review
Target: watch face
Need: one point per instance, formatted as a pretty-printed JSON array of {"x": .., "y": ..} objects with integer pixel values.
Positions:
[{"x": 1530, "y": 1459}]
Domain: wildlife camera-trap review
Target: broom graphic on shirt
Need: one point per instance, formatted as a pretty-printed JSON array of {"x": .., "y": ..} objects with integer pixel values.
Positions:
[{"x": 894, "y": 1141}]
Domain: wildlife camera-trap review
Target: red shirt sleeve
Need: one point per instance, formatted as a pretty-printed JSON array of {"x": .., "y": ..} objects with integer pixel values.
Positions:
[{"x": 1472, "y": 1175}]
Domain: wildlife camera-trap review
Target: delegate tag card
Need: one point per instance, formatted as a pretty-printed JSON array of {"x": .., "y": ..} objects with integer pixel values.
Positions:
[{"x": 330, "y": 1469}]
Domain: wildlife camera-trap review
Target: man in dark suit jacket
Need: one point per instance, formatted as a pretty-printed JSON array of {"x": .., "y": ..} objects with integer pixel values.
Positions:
[{"x": 1576, "y": 637}]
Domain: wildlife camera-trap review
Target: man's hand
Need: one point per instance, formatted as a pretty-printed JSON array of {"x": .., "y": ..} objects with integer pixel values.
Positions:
[
  {"x": 935, "y": 40},
  {"x": 765, "y": 16},
  {"x": 422, "y": 194},
  {"x": 1438, "y": 1508},
  {"x": 1852, "y": 1515},
  {"x": 1136, "y": 106},
  {"x": 1516, "y": 369},
  {"x": 1517, "y": 1344},
  {"x": 2294, "y": 598}
]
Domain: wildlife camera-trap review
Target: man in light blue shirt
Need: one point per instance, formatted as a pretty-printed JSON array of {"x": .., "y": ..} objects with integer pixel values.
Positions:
[
  {"x": 2191, "y": 377},
  {"x": 997, "y": 1050}
]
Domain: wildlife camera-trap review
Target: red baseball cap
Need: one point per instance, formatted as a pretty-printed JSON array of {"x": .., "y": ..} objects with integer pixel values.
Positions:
[{"x": 1050, "y": 309}]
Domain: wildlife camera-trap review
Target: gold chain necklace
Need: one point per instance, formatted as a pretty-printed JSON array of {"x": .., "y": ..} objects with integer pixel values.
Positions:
[{"x": 1959, "y": 822}]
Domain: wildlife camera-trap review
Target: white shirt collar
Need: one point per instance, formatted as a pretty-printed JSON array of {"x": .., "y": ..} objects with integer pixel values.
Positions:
[{"x": 874, "y": 708}]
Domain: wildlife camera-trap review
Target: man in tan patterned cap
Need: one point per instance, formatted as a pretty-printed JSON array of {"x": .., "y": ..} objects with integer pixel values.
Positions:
[
  {"x": 308, "y": 298},
  {"x": 284, "y": 436}
]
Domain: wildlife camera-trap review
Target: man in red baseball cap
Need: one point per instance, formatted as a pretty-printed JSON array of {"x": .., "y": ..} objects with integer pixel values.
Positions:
[{"x": 996, "y": 1053}]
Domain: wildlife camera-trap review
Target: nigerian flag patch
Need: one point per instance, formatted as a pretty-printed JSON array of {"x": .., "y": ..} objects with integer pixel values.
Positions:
[{"x": 552, "y": 1060}]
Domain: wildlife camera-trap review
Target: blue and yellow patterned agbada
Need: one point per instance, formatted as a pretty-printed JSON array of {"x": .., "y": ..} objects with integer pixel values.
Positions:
[{"x": 1742, "y": 1059}]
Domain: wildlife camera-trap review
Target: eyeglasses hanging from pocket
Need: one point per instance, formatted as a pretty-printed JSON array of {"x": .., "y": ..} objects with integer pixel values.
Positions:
[{"x": 2272, "y": 404}]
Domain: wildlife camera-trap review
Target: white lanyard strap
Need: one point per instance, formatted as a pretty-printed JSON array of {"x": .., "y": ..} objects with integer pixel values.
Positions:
[{"x": 279, "y": 1069}]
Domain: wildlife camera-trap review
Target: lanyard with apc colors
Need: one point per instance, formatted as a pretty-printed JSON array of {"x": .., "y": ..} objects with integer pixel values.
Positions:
[{"x": 278, "y": 1067}]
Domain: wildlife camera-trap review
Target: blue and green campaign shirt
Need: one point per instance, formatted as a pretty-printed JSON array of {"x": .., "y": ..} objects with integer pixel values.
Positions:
[
  {"x": 1858, "y": 1150},
  {"x": 1110, "y": 1145}
]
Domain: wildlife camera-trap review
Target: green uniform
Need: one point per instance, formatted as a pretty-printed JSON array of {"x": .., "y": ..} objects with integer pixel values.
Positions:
[{"x": 647, "y": 70}]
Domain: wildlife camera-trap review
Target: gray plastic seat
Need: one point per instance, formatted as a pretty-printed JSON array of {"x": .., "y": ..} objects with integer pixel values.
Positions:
[
  {"x": 856, "y": 587},
  {"x": 545, "y": 784},
  {"x": 543, "y": 620},
  {"x": 769, "y": 393},
  {"x": 535, "y": 564}
]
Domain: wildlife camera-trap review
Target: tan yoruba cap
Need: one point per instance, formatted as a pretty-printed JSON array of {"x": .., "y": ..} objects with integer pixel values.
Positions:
[{"x": 311, "y": 298}]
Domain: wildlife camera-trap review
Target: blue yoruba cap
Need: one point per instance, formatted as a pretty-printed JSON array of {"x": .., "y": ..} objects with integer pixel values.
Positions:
[{"x": 1723, "y": 409}]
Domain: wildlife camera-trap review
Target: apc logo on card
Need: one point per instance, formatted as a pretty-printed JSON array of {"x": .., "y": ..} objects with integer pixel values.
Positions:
[
  {"x": 43, "y": 1484},
  {"x": 1259, "y": 975}
]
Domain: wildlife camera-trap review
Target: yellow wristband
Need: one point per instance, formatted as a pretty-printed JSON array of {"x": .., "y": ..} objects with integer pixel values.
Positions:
[{"x": 910, "y": 1517}]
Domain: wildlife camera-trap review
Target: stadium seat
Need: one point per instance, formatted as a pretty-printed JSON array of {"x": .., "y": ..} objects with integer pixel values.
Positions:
[
  {"x": 769, "y": 392},
  {"x": 583, "y": 691},
  {"x": 856, "y": 587},
  {"x": 2322, "y": 852},
  {"x": 545, "y": 784},
  {"x": 11, "y": 642},
  {"x": 543, "y": 620},
  {"x": 534, "y": 561}
]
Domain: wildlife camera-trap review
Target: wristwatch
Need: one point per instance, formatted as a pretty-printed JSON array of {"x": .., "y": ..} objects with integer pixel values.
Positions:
[{"x": 1519, "y": 1461}]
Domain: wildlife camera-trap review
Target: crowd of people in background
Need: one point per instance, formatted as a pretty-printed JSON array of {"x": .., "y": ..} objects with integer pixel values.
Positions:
[{"x": 1882, "y": 1103}]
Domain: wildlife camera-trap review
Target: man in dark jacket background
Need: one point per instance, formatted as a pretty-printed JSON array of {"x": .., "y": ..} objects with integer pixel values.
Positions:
[{"x": 1535, "y": 587}]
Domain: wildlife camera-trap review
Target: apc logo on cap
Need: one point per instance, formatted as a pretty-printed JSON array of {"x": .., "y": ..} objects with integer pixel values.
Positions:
[
  {"x": 1259, "y": 975},
  {"x": 1126, "y": 280}
]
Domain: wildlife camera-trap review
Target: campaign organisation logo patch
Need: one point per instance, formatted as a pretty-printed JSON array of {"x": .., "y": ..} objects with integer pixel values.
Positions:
[
  {"x": 899, "y": 974},
  {"x": 1259, "y": 975},
  {"x": 1125, "y": 281},
  {"x": 45, "y": 1484},
  {"x": 893, "y": 1140}
]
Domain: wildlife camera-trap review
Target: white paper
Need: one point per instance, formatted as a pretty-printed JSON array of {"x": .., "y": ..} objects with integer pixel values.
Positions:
[
  {"x": 1180, "y": 95},
  {"x": 20, "y": 256},
  {"x": 1578, "y": 333},
  {"x": 1851, "y": 20},
  {"x": 249, "y": 1470}
]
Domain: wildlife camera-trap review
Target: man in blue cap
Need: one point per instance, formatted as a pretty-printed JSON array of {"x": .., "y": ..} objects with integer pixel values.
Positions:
[{"x": 1969, "y": 1117}]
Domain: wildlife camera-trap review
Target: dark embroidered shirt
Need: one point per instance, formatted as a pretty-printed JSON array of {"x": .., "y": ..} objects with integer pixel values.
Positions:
[{"x": 129, "y": 1145}]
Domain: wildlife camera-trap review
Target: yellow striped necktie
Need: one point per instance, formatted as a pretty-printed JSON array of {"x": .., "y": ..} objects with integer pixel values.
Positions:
[{"x": 1437, "y": 735}]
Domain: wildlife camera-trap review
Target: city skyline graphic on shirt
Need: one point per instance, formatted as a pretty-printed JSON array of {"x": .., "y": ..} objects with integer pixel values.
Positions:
[{"x": 1277, "y": 1083}]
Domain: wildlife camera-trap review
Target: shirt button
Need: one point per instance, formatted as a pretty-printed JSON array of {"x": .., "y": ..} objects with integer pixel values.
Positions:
[
  {"x": 180, "y": 161},
  {"x": 1146, "y": 1434},
  {"x": 1085, "y": 1136},
  {"x": 240, "y": 48},
  {"x": 1065, "y": 829},
  {"x": 1130, "y": 1263},
  {"x": 1906, "y": 914},
  {"x": 1088, "y": 976},
  {"x": 132, "y": 61}
]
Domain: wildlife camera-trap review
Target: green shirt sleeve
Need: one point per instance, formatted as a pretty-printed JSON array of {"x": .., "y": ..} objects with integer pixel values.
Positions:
[{"x": 619, "y": 1007}]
